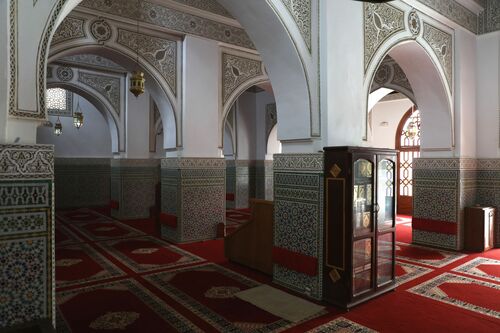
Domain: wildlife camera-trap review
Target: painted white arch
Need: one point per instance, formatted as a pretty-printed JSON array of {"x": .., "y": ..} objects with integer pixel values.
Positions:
[
  {"x": 430, "y": 88},
  {"x": 101, "y": 106},
  {"x": 164, "y": 99}
]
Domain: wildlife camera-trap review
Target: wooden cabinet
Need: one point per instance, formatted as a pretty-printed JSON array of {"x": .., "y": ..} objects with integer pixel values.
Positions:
[
  {"x": 360, "y": 221},
  {"x": 479, "y": 228}
]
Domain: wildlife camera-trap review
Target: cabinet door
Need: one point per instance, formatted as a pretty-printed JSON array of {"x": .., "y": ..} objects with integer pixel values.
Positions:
[
  {"x": 385, "y": 194},
  {"x": 363, "y": 176}
]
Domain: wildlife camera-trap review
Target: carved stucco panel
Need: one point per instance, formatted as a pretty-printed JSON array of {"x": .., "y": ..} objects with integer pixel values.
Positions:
[
  {"x": 381, "y": 22},
  {"x": 107, "y": 86},
  {"x": 236, "y": 71},
  {"x": 301, "y": 13},
  {"x": 441, "y": 44},
  {"x": 70, "y": 28},
  {"x": 159, "y": 52},
  {"x": 169, "y": 18}
]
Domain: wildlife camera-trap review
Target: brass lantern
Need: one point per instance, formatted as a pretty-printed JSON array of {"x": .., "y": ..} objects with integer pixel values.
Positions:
[
  {"x": 78, "y": 117},
  {"x": 137, "y": 83},
  {"x": 58, "y": 127}
]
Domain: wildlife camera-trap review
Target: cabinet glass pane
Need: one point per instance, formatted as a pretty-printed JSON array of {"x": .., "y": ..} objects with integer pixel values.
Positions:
[
  {"x": 362, "y": 197},
  {"x": 362, "y": 266},
  {"x": 385, "y": 194},
  {"x": 384, "y": 258}
]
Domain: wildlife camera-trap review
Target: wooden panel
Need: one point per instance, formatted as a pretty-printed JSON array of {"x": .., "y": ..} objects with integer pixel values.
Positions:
[
  {"x": 478, "y": 229},
  {"x": 251, "y": 244}
]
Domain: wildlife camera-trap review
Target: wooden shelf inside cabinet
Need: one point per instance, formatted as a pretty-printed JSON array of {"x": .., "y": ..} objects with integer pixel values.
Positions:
[{"x": 360, "y": 217}]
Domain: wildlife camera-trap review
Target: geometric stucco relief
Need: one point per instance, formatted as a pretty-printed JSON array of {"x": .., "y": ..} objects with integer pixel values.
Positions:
[
  {"x": 236, "y": 71},
  {"x": 70, "y": 28},
  {"x": 489, "y": 19},
  {"x": 91, "y": 60},
  {"x": 211, "y": 6},
  {"x": 173, "y": 19},
  {"x": 391, "y": 75},
  {"x": 107, "y": 86},
  {"x": 381, "y": 22},
  {"x": 441, "y": 44},
  {"x": 301, "y": 13},
  {"x": 159, "y": 52},
  {"x": 454, "y": 11}
]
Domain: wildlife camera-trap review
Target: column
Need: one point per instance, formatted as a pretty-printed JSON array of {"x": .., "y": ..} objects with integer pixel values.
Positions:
[
  {"x": 442, "y": 188},
  {"x": 193, "y": 198},
  {"x": 27, "y": 272},
  {"x": 298, "y": 222},
  {"x": 133, "y": 184}
]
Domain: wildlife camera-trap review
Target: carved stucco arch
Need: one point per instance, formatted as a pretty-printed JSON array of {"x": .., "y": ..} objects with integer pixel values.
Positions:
[
  {"x": 167, "y": 104},
  {"x": 283, "y": 62},
  {"x": 117, "y": 137},
  {"x": 431, "y": 89}
]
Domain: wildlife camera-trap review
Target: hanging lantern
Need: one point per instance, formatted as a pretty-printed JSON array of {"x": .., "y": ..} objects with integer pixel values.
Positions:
[
  {"x": 58, "y": 127},
  {"x": 137, "y": 83},
  {"x": 78, "y": 117},
  {"x": 412, "y": 130}
]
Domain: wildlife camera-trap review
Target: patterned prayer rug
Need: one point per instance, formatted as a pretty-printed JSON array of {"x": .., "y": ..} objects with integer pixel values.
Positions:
[
  {"x": 106, "y": 229},
  {"x": 80, "y": 263},
  {"x": 342, "y": 325},
  {"x": 80, "y": 215},
  {"x": 471, "y": 294},
  {"x": 485, "y": 268},
  {"x": 148, "y": 253},
  {"x": 407, "y": 272},
  {"x": 120, "y": 306},
  {"x": 208, "y": 291},
  {"x": 427, "y": 256},
  {"x": 64, "y": 236}
]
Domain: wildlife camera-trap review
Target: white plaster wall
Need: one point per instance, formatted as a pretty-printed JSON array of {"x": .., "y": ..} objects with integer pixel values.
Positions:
[
  {"x": 273, "y": 144},
  {"x": 201, "y": 98},
  {"x": 342, "y": 72},
  {"x": 488, "y": 92},
  {"x": 92, "y": 140},
  {"x": 390, "y": 112},
  {"x": 465, "y": 93},
  {"x": 137, "y": 136},
  {"x": 262, "y": 100},
  {"x": 246, "y": 126},
  {"x": 228, "y": 143}
]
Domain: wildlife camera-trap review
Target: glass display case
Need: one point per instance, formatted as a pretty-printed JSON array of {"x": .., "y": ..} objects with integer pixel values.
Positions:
[{"x": 360, "y": 224}]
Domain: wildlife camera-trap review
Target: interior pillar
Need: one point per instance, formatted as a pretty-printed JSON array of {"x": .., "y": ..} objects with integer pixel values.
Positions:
[
  {"x": 133, "y": 184},
  {"x": 193, "y": 198},
  {"x": 26, "y": 234},
  {"x": 298, "y": 222}
]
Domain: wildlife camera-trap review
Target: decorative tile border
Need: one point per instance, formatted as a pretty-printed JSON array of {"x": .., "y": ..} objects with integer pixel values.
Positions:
[{"x": 27, "y": 162}]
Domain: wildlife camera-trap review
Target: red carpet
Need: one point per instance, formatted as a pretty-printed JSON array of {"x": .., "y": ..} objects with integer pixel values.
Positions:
[
  {"x": 148, "y": 253},
  {"x": 111, "y": 277}
]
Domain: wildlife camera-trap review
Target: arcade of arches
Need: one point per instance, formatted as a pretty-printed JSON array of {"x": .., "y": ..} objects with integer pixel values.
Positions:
[{"x": 134, "y": 205}]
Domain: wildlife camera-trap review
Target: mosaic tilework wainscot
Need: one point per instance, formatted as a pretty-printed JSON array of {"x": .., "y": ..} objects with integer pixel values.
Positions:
[
  {"x": 82, "y": 182},
  {"x": 264, "y": 179},
  {"x": 133, "y": 185},
  {"x": 488, "y": 189},
  {"x": 193, "y": 190},
  {"x": 245, "y": 183},
  {"x": 26, "y": 234},
  {"x": 442, "y": 188},
  {"x": 230, "y": 183},
  {"x": 298, "y": 217}
]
